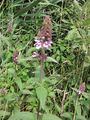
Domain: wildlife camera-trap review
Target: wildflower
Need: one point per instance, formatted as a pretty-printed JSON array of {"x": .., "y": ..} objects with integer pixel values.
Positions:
[
  {"x": 42, "y": 44},
  {"x": 47, "y": 44},
  {"x": 43, "y": 57},
  {"x": 44, "y": 36},
  {"x": 81, "y": 88},
  {"x": 15, "y": 56},
  {"x": 43, "y": 39},
  {"x": 10, "y": 27},
  {"x": 39, "y": 56},
  {"x": 35, "y": 54},
  {"x": 38, "y": 44},
  {"x": 45, "y": 33}
]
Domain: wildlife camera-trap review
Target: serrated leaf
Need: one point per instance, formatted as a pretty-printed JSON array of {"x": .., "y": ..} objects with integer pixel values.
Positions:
[
  {"x": 50, "y": 117},
  {"x": 72, "y": 34},
  {"x": 42, "y": 96},
  {"x": 22, "y": 116},
  {"x": 50, "y": 59}
]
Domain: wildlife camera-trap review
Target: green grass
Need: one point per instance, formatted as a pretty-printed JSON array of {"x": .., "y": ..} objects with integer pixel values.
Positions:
[{"x": 22, "y": 94}]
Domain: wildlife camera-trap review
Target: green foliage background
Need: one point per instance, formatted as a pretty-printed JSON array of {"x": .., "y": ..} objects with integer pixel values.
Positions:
[{"x": 68, "y": 66}]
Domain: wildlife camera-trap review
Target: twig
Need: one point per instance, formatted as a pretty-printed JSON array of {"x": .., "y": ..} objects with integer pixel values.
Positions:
[
  {"x": 2, "y": 3},
  {"x": 63, "y": 100}
]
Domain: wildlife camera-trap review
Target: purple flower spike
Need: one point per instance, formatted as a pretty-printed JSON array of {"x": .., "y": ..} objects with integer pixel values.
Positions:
[
  {"x": 81, "y": 88},
  {"x": 43, "y": 40}
]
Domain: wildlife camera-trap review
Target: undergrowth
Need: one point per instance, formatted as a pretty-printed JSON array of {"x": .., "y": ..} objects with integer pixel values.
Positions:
[{"x": 45, "y": 60}]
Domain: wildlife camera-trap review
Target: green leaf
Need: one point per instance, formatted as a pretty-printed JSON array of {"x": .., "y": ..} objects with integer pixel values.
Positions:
[
  {"x": 4, "y": 40},
  {"x": 26, "y": 92},
  {"x": 11, "y": 71},
  {"x": 55, "y": 1},
  {"x": 86, "y": 95},
  {"x": 50, "y": 59},
  {"x": 22, "y": 116},
  {"x": 57, "y": 107},
  {"x": 79, "y": 117},
  {"x": 88, "y": 39},
  {"x": 19, "y": 83},
  {"x": 42, "y": 96},
  {"x": 86, "y": 22},
  {"x": 86, "y": 5},
  {"x": 77, "y": 5},
  {"x": 3, "y": 113},
  {"x": 50, "y": 117},
  {"x": 29, "y": 7},
  {"x": 73, "y": 34},
  {"x": 21, "y": 60},
  {"x": 88, "y": 87},
  {"x": 67, "y": 115},
  {"x": 78, "y": 108}
]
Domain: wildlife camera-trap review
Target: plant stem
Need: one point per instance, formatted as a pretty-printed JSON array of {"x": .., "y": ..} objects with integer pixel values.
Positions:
[
  {"x": 63, "y": 100},
  {"x": 74, "y": 116},
  {"x": 41, "y": 65},
  {"x": 41, "y": 70},
  {"x": 38, "y": 116},
  {"x": 41, "y": 76}
]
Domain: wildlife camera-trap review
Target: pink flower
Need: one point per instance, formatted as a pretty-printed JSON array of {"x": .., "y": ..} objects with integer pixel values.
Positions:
[
  {"x": 39, "y": 56},
  {"x": 35, "y": 54},
  {"x": 15, "y": 56},
  {"x": 38, "y": 44},
  {"x": 43, "y": 57},
  {"x": 47, "y": 44},
  {"x": 43, "y": 39},
  {"x": 42, "y": 44},
  {"x": 81, "y": 88}
]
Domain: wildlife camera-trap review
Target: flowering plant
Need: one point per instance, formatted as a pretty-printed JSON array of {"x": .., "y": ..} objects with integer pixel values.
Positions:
[
  {"x": 43, "y": 40},
  {"x": 81, "y": 89}
]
